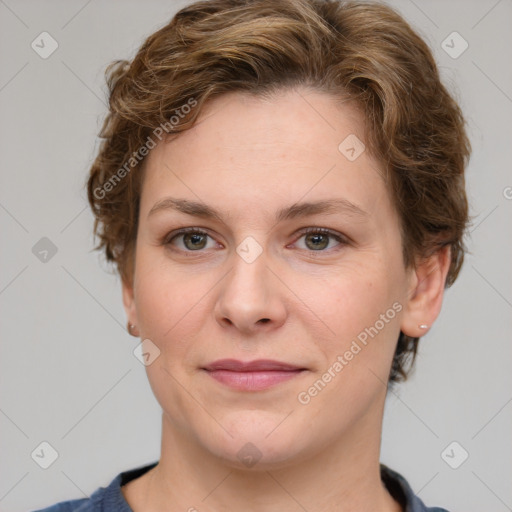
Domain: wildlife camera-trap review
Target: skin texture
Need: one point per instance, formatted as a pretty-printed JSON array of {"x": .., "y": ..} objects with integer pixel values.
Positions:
[{"x": 249, "y": 157}]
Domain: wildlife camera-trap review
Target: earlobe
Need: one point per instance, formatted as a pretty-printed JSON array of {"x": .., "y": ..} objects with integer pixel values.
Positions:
[{"x": 425, "y": 297}]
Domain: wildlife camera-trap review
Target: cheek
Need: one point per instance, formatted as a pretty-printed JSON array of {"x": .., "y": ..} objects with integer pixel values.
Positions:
[
  {"x": 353, "y": 299},
  {"x": 361, "y": 307},
  {"x": 170, "y": 310},
  {"x": 362, "y": 310},
  {"x": 168, "y": 302}
]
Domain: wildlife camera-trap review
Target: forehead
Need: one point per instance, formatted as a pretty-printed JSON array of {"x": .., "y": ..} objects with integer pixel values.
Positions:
[{"x": 249, "y": 151}]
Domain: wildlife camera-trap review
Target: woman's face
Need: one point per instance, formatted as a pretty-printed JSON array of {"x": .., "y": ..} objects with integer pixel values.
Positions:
[{"x": 248, "y": 284}]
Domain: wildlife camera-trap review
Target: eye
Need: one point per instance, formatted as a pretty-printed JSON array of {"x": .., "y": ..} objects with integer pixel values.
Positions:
[
  {"x": 189, "y": 239},
  {"x": 318, "y": 239},
  {"x": 194, "y": 240}
]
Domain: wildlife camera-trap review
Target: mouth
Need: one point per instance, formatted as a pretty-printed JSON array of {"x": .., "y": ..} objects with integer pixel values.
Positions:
[{"x": 252, "y": 375}]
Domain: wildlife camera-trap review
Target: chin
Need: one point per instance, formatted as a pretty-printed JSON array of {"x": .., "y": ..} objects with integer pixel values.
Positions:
[{"x": 260, "y": 441}]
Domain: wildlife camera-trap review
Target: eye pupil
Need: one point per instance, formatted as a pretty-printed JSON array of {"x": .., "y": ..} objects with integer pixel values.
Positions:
[
  {"x": 197, "y": 240},
  {"x": 315, "y": 238}
]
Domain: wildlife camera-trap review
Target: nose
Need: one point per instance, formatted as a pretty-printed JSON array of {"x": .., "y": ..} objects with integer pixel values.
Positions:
[{"x": 251, "y": 297}]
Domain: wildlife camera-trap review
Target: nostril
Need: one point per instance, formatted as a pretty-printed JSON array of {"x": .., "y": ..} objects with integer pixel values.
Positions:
[{"x": 264, "y": 320}]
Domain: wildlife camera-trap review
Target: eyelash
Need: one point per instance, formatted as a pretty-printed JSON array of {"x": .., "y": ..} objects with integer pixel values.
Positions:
[{"x": 315, "y": 230}]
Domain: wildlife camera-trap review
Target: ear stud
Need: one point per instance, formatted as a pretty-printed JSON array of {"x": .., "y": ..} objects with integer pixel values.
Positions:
[{"x": 131, "y": 329}]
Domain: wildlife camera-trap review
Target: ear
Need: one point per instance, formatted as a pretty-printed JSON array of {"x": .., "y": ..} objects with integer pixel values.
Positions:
[
  {"x": 425, "y": 297},
  {"x": 129, "y": 302}
]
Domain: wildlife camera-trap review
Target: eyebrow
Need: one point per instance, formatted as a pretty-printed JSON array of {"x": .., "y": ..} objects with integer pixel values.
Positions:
[{"x": 304, "y": 209}]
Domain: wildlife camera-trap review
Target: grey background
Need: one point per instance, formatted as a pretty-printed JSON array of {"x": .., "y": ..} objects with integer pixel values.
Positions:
[{"x": 68, "y": 374}]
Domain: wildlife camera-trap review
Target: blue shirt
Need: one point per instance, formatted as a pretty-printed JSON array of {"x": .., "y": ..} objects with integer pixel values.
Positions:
[{"x": 111, "y": 499}]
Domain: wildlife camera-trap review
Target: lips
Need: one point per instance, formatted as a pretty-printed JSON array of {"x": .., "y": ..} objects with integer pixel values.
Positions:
[
  {"x": 260, "y": 365},
  {"x": 252, "y": 375}
]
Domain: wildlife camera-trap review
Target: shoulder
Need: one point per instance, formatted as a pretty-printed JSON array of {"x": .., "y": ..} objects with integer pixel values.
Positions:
[
  {"x": 402, "y": 492},
  {"x": 94, "y": 503},
  {"x": 78, "y": 505},
  {"x": 104, "y": 499}
]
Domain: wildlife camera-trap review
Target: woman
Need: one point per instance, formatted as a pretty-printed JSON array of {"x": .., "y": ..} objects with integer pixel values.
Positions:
[{"x": 281, "y": 188}]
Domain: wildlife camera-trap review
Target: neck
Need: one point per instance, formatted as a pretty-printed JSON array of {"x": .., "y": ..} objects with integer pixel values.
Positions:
[{"x": 344, "y": 476}]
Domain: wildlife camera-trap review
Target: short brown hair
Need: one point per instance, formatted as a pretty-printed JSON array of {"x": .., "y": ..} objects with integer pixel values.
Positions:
[{"x": 358, "y": 50}]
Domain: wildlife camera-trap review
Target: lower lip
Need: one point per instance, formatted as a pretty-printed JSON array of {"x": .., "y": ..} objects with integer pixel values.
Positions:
[{"x": 252, "y": 381}]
